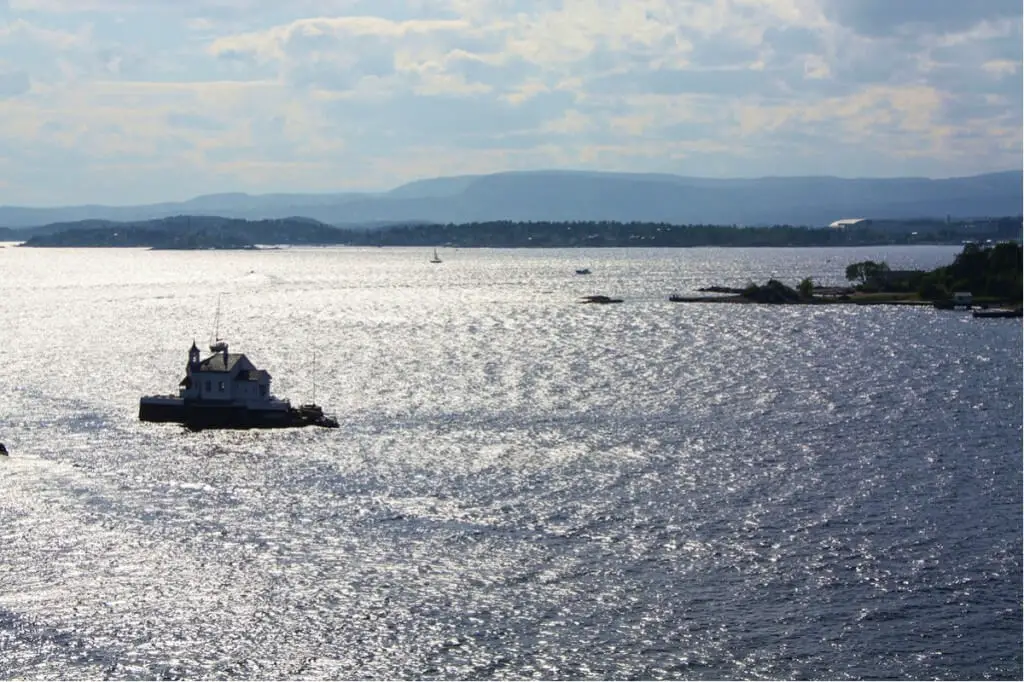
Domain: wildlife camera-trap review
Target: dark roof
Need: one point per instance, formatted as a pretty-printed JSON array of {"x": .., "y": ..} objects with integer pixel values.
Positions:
[{"x": 215, "y": 363}]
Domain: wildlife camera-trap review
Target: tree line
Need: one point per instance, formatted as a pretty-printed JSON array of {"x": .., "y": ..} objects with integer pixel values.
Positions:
[
  {"x": 190, "y": 232},
  {"x": 618, "y": 234},
  {"x": 991, "y": 271}
]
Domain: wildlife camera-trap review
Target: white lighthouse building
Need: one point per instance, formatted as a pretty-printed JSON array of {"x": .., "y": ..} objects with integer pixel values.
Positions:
[
  {"x": 225, "y": 390},
  {"x": 226, "y": 378}
]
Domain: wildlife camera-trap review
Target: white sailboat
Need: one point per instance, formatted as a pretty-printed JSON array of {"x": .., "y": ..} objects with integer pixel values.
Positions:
[{"x": 436, "y": 258}]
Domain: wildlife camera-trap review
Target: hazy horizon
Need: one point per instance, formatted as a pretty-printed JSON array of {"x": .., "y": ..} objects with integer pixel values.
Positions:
[
  {"x": 385, "y": 190},
  {"x": 105, "y": 102}
]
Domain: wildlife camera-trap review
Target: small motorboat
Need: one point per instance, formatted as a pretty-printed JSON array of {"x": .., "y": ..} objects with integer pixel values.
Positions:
[
  {"x": 3, "y": 450},
  {"x": 583, "y": 271}
]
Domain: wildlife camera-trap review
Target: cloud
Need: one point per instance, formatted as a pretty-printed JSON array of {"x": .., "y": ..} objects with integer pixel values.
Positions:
[
  {"x": 338, "y": 53},
  {"x": 728, "y": 81},
  {"x": 447, "y": 118},
  {"x": 21, "y": 33},
  {"x": 885, "y": 17},
  {"x": 209, "y": 95},
  {"x": 787, "y": 43},
  {"x": 305, "y": 37},
  {"x": 193, "y": 121},
  {"x": 1001, "y": 67},
  {"x": 151, "y": 6},
  {"x": 13, "y": 83}
]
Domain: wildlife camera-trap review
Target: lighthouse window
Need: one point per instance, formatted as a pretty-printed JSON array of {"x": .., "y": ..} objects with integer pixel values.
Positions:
[
  {"x": 207, "y": 384},
  {"x": 263, "y": 389},
  {"x": 220, "y": 386}
]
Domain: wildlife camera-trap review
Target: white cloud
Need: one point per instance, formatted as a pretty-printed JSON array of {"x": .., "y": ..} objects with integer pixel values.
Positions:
[
  {"x": 19, "y": 32},
  {"x": 145, "y": 7},
  {"x": 529, "y": 89},
  {"x": 572, "y": 122},
  {"x": 307, "y": 35},
  {"x": 1001, "y": 67}
]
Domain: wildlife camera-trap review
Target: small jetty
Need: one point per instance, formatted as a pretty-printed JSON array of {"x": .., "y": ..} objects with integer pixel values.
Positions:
[
  {"x": 227, "y": 391},
  {"x": 998, "y": 313}
]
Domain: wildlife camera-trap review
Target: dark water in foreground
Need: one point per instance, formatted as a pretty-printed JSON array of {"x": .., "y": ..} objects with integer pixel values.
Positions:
[{"x": 522, "y": 486}]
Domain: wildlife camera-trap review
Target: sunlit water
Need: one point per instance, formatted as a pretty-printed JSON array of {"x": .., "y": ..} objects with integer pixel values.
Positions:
[{"x": 523, "y": 486}]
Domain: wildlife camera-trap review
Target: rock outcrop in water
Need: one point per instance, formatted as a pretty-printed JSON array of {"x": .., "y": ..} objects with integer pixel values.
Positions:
[
  {"x": 773, "y": 291},
  {"x": 600, "y": 299}
]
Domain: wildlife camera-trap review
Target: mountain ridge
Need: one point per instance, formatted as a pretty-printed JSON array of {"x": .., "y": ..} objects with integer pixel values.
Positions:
[{"x": 554, "y": 194}]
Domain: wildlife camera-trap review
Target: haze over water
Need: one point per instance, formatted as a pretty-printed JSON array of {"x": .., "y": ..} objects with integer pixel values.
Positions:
[{"x": 522, "y": 486}]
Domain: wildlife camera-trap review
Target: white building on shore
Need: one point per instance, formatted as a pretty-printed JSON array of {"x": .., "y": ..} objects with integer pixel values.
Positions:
[{"x": 847, "y": 223}]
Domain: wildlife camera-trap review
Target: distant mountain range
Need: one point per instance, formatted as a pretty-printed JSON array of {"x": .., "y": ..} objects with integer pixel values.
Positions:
[{"x": 589, "y": 196}]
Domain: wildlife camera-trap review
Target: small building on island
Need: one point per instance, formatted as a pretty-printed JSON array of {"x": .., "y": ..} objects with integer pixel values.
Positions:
[
  {"x": 224, "y": 377},
  {"x": 962, "y": 298},
  {"x": 225, "y": 390}
]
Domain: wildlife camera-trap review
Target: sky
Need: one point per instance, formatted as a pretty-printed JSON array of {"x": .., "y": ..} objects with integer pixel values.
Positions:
[{"x": 138, "y": 101}]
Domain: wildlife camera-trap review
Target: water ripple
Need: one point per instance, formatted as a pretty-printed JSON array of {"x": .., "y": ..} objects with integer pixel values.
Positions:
[{"x": 523, "y": 487}]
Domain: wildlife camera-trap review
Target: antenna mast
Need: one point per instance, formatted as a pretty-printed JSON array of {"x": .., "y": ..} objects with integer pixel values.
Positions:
[{"x": 218, "y": 346}]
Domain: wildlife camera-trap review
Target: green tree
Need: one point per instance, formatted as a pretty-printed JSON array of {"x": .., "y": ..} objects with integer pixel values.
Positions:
[
  {"x": 867, "y": 272},
  {"x": 933, "y": 288},
  {"x": 806, "y": 288}
]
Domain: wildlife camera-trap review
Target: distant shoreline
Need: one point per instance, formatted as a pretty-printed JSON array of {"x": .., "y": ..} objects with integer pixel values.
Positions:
[
  {"x": 282, "y": 247},
  {"x": 212, "y": 232},
  {"x": 819, "y": 301}
]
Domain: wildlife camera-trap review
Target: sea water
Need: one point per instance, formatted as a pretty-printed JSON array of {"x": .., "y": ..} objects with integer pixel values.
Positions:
[{"x": 523, "y": 486}]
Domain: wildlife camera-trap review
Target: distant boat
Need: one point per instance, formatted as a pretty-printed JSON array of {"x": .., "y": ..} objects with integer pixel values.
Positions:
[
  {"x": 436, "y": 258},
  {"x": 583, "y": 271}
]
